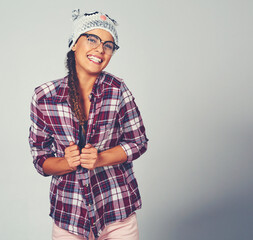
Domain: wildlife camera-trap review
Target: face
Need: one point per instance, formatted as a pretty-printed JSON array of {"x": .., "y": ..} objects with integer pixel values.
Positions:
[{"x": 91, "y": 61}]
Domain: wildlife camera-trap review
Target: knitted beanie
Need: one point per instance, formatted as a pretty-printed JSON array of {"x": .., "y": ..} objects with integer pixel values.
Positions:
[{"x": 88, "y": 21}]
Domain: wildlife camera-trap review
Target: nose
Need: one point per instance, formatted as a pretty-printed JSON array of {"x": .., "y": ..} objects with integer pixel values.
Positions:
[{"x": 100, "y": 48}]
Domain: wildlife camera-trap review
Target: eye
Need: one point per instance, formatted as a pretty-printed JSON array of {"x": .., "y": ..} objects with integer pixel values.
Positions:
[
  {"x": 109, "y": 45},
  {"x": 92, "y": 39}
]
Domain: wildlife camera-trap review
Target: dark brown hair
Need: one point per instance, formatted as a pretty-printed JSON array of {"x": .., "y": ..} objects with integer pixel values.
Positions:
[{"x": 74, "y": 90}]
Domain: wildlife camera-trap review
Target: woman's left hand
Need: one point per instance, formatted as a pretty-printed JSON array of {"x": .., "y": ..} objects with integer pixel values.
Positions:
[{"x": 89, "y": 157}]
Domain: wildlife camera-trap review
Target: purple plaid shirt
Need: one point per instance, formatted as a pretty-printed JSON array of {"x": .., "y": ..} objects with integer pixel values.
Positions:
[{"x": 89, "y": 199}]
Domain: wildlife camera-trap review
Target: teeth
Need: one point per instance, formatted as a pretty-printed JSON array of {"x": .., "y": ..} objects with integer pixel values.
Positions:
[{"x": 95, "y": 59}]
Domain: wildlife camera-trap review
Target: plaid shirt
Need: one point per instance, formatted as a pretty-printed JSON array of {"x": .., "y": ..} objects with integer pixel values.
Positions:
[{"x": 89, "y": 199}]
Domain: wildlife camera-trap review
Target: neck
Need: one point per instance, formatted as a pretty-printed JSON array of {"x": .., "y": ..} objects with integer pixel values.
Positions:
[{"x": 86, "y": 82}]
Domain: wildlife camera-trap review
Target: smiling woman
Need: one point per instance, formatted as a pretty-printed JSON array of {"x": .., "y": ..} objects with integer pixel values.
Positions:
[
  {"x": 86, "y": 130},
  {"x": 91, "y": 58}
]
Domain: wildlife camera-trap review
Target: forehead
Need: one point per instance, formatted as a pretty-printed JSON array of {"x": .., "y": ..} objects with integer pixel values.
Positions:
[{"x": 103, "y": 34}]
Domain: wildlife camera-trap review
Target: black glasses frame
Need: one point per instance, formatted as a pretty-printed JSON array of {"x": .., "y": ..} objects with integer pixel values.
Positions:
[{"x": 115, "y": 46}]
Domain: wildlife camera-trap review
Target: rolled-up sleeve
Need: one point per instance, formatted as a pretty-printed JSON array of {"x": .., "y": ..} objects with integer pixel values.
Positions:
[
  {"x": 133, "y": 140},
  {"x": 39, "y": 138}
]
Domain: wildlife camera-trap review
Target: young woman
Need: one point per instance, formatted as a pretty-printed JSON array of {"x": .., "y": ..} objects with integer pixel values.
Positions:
[{"x": 86, "y": 131}]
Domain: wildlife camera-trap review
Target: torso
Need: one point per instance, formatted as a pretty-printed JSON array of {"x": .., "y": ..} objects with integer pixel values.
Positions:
[{"x": 86, "y": 104}]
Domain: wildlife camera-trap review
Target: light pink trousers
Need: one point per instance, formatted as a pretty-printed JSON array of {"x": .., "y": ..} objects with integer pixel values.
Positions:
[{"x": 120, "y": 230}]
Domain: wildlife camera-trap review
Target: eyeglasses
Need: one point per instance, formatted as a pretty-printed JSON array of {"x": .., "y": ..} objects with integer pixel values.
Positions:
[{"x": 94, "y": 41}]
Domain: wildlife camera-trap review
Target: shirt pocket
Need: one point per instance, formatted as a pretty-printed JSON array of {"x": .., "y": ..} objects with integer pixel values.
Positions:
[{"x": 101, "y": 135}]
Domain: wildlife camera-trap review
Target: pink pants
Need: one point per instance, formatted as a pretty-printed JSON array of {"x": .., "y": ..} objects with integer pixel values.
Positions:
[{"x": 120, "y": 230}]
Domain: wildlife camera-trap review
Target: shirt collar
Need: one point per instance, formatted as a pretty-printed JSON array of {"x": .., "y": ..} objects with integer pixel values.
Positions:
[
  {"x": 97, "y": 89},
  {"x": 62, "y": 93},
  {"x": 99, "y": 85}
]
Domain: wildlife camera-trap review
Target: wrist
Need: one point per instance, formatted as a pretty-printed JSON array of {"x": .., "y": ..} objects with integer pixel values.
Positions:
[
  {"x": 99, "y": 162},
  {"x": 67, "y": 166}
]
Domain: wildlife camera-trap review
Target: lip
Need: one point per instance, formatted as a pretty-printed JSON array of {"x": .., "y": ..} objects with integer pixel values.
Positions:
[{"x": 91, "y": 55}]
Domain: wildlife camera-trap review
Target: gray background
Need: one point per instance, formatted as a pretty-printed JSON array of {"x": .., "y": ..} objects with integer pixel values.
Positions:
[{"x": 189, "y": 65}]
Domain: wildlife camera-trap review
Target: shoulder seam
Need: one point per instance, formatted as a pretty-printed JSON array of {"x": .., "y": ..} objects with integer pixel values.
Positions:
[{"x": 45, "y": 90}]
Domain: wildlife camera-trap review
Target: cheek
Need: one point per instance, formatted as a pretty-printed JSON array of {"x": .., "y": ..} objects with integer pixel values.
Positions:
[
  {"x": 80, "y": 56},
  {"x": 81, "y": 49},
  {"x": 107, "y": 60}
]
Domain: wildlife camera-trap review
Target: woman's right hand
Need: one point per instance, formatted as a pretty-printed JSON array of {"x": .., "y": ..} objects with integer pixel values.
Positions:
[{"x": 72, "y": 155}]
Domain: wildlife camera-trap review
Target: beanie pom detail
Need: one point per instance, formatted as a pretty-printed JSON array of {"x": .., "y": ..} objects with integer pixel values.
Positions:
[{"x": 75, "y": 14}]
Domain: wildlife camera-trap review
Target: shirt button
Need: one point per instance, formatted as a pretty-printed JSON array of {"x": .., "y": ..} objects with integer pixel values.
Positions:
[{"x": 86, "y": 185}]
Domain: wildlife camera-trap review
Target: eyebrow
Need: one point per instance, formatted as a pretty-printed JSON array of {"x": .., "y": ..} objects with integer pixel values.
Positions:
[{"x": 91, "y": 34}]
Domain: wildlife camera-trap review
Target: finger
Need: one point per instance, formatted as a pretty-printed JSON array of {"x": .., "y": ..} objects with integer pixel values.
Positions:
[
  {"x": 88, "y": 166},
  {"x": 84, "y": 156},
  {"x": 71, "y": 158},
  {"x": 75, "y": 164},
  {"x": 88, "y": 145},
  {"x": 74, "y": 153},
  {"x": 71, "y": 148},
  {"x": 88, "y": 154},
  {"x": 87, "y": 150},
  {"x": 71, "y": 143},
  {"x": 86, "y": 159},
  {"x": 74, "y": 159},
  {"x": 83, "y": 160},
  {"x": 85, "y": 164}
]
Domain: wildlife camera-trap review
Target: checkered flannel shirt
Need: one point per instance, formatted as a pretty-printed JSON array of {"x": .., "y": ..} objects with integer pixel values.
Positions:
[{"x": 86, "y": 200}]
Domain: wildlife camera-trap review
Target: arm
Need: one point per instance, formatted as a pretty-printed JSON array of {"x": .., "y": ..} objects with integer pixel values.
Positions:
[
  {"x": 115, "y": 155},
  {"x": 64, "y": 165},
  {"x": 42, "y": 147},
  {"x": 133, "y": 142},
  {"x": 56, "y": 166},
  {"x": 91, "y": 159},
  {"x": 40, "y": 139}
]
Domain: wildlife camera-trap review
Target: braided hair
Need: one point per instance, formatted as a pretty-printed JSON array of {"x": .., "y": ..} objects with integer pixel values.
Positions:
[{"x": 74, "y": 90}]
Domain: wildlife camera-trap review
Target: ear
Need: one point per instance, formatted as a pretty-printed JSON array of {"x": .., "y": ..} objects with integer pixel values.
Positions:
[{"x": 73, "y": 48}]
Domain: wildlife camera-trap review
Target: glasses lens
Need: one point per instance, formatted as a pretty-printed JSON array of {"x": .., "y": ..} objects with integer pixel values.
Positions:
[
  {"x": 109, "y": 47},
  {"x": 93, "y": 41}
]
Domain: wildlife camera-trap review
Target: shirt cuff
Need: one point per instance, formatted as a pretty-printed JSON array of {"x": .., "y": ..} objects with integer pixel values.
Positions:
[
  {"x": 133, "y": 150},
  {"x": 39, "y": 163}
]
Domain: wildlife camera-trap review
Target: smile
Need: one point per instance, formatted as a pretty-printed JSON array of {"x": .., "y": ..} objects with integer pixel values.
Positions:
[{"x": 94, "y": 59}]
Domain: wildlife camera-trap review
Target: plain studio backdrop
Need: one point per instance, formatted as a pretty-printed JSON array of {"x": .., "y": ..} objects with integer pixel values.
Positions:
[{"x": 189, "y": 65}]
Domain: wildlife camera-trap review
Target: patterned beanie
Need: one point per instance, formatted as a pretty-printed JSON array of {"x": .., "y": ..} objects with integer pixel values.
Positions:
[{"x": 88, "y": 21}]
